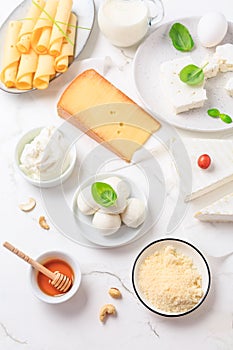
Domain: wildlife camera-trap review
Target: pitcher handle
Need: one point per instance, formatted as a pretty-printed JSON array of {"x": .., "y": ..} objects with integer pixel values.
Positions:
[{"x": 153, "y": 20}]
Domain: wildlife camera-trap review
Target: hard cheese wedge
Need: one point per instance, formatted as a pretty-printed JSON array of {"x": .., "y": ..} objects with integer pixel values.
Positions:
[
  {"x": 219, "y": 173},
  {"x": 106, "y": 114},
  {"x": 219, "y": 211}
]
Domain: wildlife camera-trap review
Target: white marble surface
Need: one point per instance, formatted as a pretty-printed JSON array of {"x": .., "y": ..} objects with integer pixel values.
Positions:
[{"x": 28, "y": 324}]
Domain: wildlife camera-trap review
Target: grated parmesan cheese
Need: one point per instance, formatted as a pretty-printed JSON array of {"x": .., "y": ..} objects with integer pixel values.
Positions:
[{"x": 170, "y": 281}]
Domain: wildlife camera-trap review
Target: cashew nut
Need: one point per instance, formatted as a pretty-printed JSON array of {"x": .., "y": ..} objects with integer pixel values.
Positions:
[
  {"x": 43, "y": 223},
  {"x": 115, "y": 293},
  {"x": 28, "y": 206},
  {"x": 105, "y": 310}
]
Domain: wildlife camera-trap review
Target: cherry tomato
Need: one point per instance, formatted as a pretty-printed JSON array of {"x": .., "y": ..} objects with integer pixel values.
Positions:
[{"x": 204, "y": 161}]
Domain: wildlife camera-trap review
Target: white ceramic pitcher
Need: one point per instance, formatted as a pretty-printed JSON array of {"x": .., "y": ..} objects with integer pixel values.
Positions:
[{"x": 126, "y": 22}]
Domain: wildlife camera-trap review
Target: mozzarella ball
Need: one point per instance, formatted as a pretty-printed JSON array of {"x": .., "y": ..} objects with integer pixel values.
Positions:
[
  {"x": 122, "y": 190},
  {"x": 117, "y": 208},
  {"x": 119, "y": 185},
  {"x": 134, "y": 214},
  {"x": 107, "y": 224},
  {"x": 212, "y": 29},
  {"x": 86, "y": 203}
]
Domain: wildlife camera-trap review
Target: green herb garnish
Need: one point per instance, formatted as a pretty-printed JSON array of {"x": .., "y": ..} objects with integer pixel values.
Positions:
[
  {"x": 103, "y": 194},
  {"x": 181, "y": 38},
  {"x": 213, "y": 112},
  {"x": 192, "y": 75},
  {"x": 225, "y": 118}
]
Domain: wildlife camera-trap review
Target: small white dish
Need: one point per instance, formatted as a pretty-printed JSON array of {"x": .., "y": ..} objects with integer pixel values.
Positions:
[
  {"x": 156, "y": 49},
  {"x": 72, "y": 262},
  {"x": 182, "y": 247},
  {"x": 27, "y": 138},
  {"x": 84, "y": 222}
]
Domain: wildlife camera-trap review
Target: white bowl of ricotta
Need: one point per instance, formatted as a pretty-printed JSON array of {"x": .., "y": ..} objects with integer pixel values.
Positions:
[
  {"x": 171, "y": 277},
  {"x": 44, "y": 157}
]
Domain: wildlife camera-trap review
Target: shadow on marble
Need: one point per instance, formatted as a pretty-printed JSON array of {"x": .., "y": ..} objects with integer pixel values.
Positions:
[{"x": 72, "y": 307}]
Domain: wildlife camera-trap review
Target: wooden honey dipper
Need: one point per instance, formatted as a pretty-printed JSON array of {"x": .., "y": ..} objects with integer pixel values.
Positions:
[{"x": 61, "y": 282}]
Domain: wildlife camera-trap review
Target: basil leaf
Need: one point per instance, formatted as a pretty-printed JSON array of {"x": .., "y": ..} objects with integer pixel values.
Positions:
[
  {"x": 103, "y": 194},
  {"x": 225, "y": 118},
  {"x": 192, "y": 75},
  {"x": 213, "y": 112},
  {"x": 181, "y": 38}
]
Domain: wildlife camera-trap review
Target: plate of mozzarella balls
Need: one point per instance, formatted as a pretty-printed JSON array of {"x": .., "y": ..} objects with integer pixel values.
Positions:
[{"x": 115, "y": 224}]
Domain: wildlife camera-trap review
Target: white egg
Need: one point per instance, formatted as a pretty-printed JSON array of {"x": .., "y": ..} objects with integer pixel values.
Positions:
[
  {"x": 134, "y": 214},
  {"x": 212, "y": 29},
  {"x": 86, "y": 203},
  {"x": 107, "y": 224}
]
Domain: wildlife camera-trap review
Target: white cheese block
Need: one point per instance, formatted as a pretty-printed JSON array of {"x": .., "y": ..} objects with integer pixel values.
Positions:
[
  {"x": 219, "y": 173},
  {"x": 181, "y": 96},
  {"x": 229, "y": 87},
  {"x": 224, "y": 54},
  {"x": 219, "y": 211}
]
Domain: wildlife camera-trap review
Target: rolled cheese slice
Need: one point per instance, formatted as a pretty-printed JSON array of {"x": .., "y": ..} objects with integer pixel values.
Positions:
[
  {"x": 67, "y": 50},
  {"x": 24, "y": 40},
  {"x": 11, "y": 55},
  {"x": 26, "y": 71},
  {"x": 61, "y": 19},
  {"x": 43, "y": 28},
  {"x": 45, "y": 71}
]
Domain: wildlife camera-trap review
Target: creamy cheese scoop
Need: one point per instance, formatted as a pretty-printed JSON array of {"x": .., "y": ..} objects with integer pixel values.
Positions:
[{"x": 44, "y": 158}]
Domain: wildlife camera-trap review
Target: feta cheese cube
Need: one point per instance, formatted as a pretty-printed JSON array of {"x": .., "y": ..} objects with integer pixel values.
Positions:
[{"x": 181, "y": 96}]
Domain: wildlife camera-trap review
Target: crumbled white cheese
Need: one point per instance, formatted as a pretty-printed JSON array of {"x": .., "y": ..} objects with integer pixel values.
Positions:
[
  {"x": 211, "y": 67},
  {"x": 220, "y": 61},
  {"x": 170, "y": 281}
]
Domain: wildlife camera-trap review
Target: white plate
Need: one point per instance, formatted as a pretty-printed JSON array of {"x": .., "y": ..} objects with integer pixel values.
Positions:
[
  {"x": 85, "y": 11},
  {"x": 182, "y": 247},
  {"x": 158, "y": 48},
  {"x": 124, "y": 234}
]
